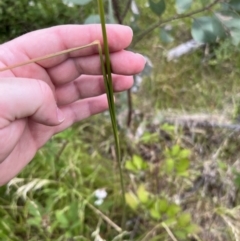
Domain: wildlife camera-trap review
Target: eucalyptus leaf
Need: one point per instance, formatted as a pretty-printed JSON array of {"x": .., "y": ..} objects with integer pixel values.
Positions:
[
  {"x": 231, "y": 22},
  {"x": 158, "y": 7},
  {"x": 183, "y": 5},
  {"x": 233, "y": 5},
  {"x": 207, "y": 29},
  {"x": 92, "y": 19},
  {"x": 110, "y": 12},
  {"x": 80, "y": 2},
  {"x": 165, "y": 36}
]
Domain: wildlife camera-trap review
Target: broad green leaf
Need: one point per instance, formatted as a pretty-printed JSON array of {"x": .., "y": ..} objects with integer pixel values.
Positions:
[
  {"x": 181, "y": 234},
  {"x": 80, "y": 2},
  {"x": 182, "y": 165},
  {"x": 231, "y": 22},
  {"x": 92, "y": 19},
  {"x": 157, "y": 6},
  {"x": 154, "y": 213},
  {"x": 184, "y": 219},
  {"x": 165, "y": 36},
  {"x": 173, "y": 210},
  {"x": 207, "y": 29},
  {"x": 143, "y": 194},
  {"x": 183, "y": 5},
  {"x": 175, "y": 150},
  {"x": 33, "y": 209},
  {"x": 110, "y": 12},
  {"x": 138, "y": 162},
  {"x": 131, "y": 200},
  {"x": 162, "y": 205},
  {"x": 233, "y": 5},
  {"x": 169, "y": 165},
  {"x": 61, "y": 218},
  {"x": 184, "y": 153},
  {"x": 129, "y": 165}
]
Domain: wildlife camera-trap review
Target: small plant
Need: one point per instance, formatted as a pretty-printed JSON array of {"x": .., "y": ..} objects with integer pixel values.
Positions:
[{"x": 159, "y": 207}]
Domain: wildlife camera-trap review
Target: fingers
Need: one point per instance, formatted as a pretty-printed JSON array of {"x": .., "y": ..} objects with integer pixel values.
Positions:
[
  {"x": 123, "y": 62},
  {"x": 51, "y": 40},
  {"x": 22, "y": 98},
  {"x": 80, "y": 110},
  {"x": 89, "y": 86}
]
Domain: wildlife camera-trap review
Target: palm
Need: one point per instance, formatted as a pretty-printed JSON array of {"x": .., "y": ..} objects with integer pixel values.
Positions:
[{"x": 74, "y": 79}]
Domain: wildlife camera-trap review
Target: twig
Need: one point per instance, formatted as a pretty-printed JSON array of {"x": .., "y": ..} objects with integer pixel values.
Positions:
[
  {"x": 178, "y": 16},
  {"x": 105, "y": 218},
  {"x": 147, "y": 236},
  {"x": 169, "y": 231},
  {"x": 117, "y": 11},
  {"x": 126, "y": 9}
]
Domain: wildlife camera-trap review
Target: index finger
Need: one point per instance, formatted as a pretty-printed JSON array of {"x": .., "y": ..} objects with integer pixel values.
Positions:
[{"x": 55, "y": 39}]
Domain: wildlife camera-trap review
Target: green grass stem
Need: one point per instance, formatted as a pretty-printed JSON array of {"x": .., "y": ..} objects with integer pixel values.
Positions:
[{"x": 106, "y": 69}]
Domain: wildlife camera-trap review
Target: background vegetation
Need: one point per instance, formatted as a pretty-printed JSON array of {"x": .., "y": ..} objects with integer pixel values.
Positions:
[{"x": 178, "y": 127}]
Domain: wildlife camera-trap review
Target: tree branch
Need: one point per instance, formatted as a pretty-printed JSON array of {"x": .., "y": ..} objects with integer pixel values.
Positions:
[
  {"x": 125, "y": 11},
  {"x": 176, "y": 17}
]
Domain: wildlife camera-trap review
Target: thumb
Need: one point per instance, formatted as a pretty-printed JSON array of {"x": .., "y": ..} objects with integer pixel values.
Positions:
[{"x": 22, "y": 98}]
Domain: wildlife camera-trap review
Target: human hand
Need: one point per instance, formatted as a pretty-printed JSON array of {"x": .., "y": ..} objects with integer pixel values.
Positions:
[{"x": 30, "y": 95}]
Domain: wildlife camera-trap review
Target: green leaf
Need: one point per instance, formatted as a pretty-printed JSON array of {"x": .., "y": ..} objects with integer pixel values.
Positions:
[
  {"x": 175, "y": 151},
  {"x": 173, "y": 210},
  {"x": 169, "y": 165},
  {"x": 158, "y": 7},
  {"x": 184, "y": 153},
  {"x": 131, "y": 200},
  {"x": 183, "y": 5},
  {"x": 184, "y": 219},
  {"x": 165, "y": 36},
  {"x": 207, "y": 29},
  {"x": 61, "y": 218},
  {"x": 170, "y": 221},
  {"x": 143, "y": 194},
  {"x": 231, "y": 21},
  {"x": 80, "y": 2},
  {"x": 110, "y": 12},
  {"x": 162, "y": 205},
  {"x": 232, "y": 5},
  {"x": 181, "y": 234},
  {"x": 92, "y": 19},
  {"x": 129, "y": 165},
  {"x": 33, "y": 209},
  {"x": 182, "y": 165},
  {"x": 138, "y": 162},
  {"x": 154, "y": 213}
]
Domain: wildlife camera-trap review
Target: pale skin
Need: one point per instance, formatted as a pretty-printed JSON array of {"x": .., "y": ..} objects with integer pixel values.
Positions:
[{"x": 41, "y": 99}]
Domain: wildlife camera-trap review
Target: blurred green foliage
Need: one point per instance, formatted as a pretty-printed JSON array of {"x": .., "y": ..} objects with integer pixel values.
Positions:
[{"x": 20, "y": 17}]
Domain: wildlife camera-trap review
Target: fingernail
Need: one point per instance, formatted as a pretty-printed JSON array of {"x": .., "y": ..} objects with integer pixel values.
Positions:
[{"x": 60, "y": 115}]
